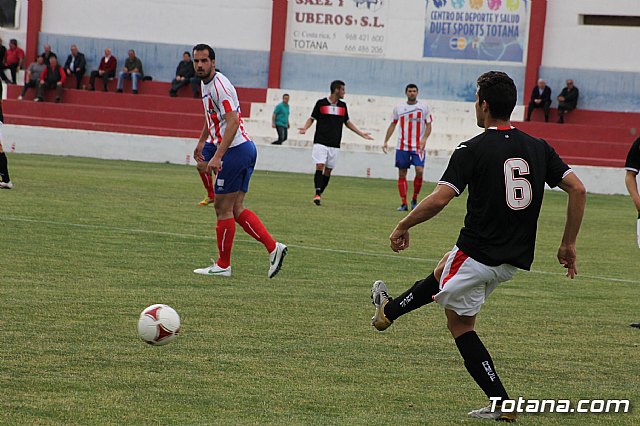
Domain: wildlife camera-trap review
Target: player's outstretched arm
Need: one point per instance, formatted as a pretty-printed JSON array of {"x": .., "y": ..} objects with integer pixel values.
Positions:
[
  {"x": 427, "y": 133},
  {"x": 306, "y": 126},
  {"x": 390, "y": 129},
  {"x": 357, "y": 131},
  {"x": 572, "y": 185},
  {"x": 197, "y": 152},
  {"x": 233, "y": 122},
  {"x": 632, "y": 186},
  {"x": 427, "y": 209}
]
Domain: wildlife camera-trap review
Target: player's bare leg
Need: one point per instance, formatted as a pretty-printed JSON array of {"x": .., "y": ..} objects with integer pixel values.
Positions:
[
  {"x": 253, "y": 226},
  {"x": 207, "y": 181},
  {"x": 402, "y": 189},
  {"x": 479, "y": 364}
]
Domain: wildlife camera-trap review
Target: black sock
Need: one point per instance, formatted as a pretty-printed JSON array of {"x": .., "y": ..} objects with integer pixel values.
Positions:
[
  {"x": 4, "y": 171},
  {"x": 317, "y": 181},
  {"x": 479, "y": 365},
  {"x": 419, "y": 295},
  {"x": 325, "y": 182}
]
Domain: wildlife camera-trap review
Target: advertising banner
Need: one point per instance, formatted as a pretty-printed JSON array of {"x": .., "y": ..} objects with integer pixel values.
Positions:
[
  {"x": 352, "y": 27},
  {"x": 487, "y": 30}
]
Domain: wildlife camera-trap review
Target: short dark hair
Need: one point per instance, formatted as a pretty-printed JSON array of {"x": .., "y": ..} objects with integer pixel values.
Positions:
[
  {"x": 286, "y": 94},
  {"x": 202, "y": 46},
  {"x": 500, "y": 92},
  {"x": 336, "y": 84},
  {"x": 410, "y": 86},
  {"x": 13, "y": 41},
  {"x": 186, "y": 52}
]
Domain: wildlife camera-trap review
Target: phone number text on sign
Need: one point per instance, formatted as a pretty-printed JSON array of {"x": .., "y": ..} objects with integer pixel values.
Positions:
[{"x": 354, "y": 27}]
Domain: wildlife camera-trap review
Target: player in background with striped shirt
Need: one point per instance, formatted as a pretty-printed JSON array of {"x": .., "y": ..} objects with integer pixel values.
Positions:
[
  {"x": 232, "y": 148},
  {"x": 415, "y": 127}
]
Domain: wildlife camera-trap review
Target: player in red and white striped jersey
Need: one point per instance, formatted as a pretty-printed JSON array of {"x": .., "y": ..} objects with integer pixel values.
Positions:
[
  {"x": 415, "y": 127},
  {"x": 236, "y": 150}
]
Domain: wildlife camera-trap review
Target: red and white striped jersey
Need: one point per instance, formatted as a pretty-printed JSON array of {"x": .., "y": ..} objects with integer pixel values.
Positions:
[
  {"x": 219, "y": 97},
  {"x": 413, "y": 120}
]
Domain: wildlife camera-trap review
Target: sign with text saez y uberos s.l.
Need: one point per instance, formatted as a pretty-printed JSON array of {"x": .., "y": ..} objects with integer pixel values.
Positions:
[
  {"x": 486, "y": 30},
  {"x": 350, "y": 27}
]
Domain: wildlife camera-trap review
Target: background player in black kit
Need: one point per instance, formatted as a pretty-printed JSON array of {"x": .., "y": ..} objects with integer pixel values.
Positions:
[
  {"x": 5, "y": 180},
  {"x": 632, "y": 165},
  {"x": 331, "y": 114},
  {"x": 505, "y": 170}
]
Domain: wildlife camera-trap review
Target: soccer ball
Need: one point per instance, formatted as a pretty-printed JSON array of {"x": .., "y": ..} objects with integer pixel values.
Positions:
[{"x": 159, "y": 324}]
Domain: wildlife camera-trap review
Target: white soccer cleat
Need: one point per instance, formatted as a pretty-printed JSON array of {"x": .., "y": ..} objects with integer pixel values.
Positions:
[
  {"x": 6, "y": 185},
  {"x": 276, "y": 257},
  {"x": 486, "y": 413},
  {"x": 214, "y": 270},
  {"x": 379, "y": 298}
]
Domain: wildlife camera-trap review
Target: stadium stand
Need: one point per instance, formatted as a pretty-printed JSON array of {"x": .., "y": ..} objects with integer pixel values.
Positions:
[{"x": 596, "y": 138}]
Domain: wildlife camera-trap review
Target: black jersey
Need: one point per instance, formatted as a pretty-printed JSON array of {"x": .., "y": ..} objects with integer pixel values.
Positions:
[
  {"x": 506, "y": 171},
  {"x": 633, "y": 158},
  {"x": 330, "y": 119}
]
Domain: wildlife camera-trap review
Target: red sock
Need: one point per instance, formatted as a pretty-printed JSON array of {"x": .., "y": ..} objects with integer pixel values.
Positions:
[
  {"x": 207, "y": 180},
  {"x": 251, "y": 224},
  {"x": 402, "y": 188},
  {"x": 417, "y": 186},
  {"x": 225, "y": 231}
]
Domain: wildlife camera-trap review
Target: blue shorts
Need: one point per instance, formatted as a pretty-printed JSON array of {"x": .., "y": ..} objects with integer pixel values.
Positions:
[
  {"x": 406, "y": 159},
  {"x": 237, "y": 167},
  {"x": 209, "y": 151}
]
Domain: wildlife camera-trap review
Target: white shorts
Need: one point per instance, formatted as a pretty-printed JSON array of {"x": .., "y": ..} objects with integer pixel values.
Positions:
[
  {"x": 326, "y": 155},
  {"x": 466, "y": 283}
]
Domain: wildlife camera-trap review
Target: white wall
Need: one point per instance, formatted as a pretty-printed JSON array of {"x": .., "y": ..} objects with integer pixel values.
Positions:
[
  {"x": 567, "y": 44},
  {"x": 233, "y": 24}
]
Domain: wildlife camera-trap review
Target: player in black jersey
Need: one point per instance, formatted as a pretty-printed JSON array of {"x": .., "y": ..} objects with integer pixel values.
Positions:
[
  {"x": 331, "y": 114},
  {"x": 505, "y": 171},
  {"x": 632, "y": 165},
  {"x": 5, "y": 181}
]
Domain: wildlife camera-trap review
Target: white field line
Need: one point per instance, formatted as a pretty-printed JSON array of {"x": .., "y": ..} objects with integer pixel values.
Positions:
[{"x": 325, "y": 249}]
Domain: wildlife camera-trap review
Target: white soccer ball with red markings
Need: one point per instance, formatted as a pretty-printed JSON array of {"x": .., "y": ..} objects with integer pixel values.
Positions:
[{"x": 159, "y": 324}]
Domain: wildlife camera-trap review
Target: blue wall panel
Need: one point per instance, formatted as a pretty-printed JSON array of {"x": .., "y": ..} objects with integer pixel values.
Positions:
[
  {"x": 599, "y": 90},
  {"x": 437, "y": 80},
  {"x": 245, "y": 68}
]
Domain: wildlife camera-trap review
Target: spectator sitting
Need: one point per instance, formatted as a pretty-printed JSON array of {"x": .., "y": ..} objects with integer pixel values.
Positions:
[
  {"x": 14, "y": 59},
  {"x": 33, "y": 75},
  {"x": 106, "y": 70},
  {"x": 184, "y": 75},
  {"x": 133, "y": 70},
  {"x": 47, "y": 54},
  {"x": 3, "y": 52},
  {"x": 52, "y": 77},
  {"x": 76, "y": 65},
  {"x": 567, "y": 100},
  {"x": 540, "y": 98}
]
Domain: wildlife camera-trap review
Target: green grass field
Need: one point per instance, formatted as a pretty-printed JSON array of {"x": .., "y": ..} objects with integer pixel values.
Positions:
[{"x": 86, "y": 244}]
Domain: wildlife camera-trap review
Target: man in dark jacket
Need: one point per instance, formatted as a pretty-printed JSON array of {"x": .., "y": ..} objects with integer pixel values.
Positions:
[
  {"x": 76, "y": 65},
  {"x": 3, "y": 52},
  {"x": 567, "y": 100},
  {"x": 184, "y": 74},
  {"x": 53, "y": 77},
  {"x": 540, "y": 98}
]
